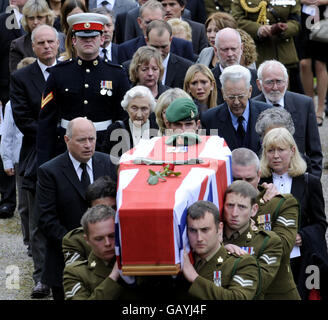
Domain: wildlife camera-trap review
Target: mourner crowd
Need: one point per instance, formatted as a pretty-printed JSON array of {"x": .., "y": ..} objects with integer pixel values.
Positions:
[{"x": 84, "y": 81}]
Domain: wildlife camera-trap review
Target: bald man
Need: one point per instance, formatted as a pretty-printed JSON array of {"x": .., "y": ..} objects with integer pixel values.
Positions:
[{"x": 60, "y": 194}]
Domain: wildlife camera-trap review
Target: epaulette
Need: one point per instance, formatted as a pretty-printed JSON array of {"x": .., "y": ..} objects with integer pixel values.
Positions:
[
  {"x": 112, "y": 64},
  {"x": 73, "y": 232},
  {"x": 62, "y": 63}
]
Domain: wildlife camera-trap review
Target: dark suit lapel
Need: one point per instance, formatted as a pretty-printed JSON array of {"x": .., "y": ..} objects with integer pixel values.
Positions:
[
  {"x": 298, "y": 187},
  {"x": 37, "y": 78},
  {"x": 227, "y": 128},
  {"x": 114, "y": 53},
  {"x": 170, "y": 72},
  {"x": 70, "y": 173}
]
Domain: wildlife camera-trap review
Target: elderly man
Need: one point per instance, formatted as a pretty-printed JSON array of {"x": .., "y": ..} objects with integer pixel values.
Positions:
[
  {"x": 159, "y": 36},
  {"x": 235, "y": 119},
  {"x": 273, "y": 82},
  {"x": 215, "y": 275},
  {"x": 95, "y": 278},
  {"x": 87, "y": 86},
  {"x": 60, "y": 194},
  {"x": 280, "y": 214},
  {"x": 229, "y": 49}
]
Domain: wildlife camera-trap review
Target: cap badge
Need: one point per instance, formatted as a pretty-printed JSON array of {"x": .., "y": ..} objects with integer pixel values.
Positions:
[
  {"x": 87, "y": 25},
  {"x": 192, "y": 114}
]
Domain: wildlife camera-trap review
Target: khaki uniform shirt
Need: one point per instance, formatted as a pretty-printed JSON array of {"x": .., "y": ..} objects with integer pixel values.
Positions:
[
  {"x": 280, "y": 47},
  {"x": 88, "y": 280},
  {"x": 238, "y": 286},
  {"x": 285, "y": 225},
  {"x": 268, "y": 254},
  {"x": 75, "y": 248}
]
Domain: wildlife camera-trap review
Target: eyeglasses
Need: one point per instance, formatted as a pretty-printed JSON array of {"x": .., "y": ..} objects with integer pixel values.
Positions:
[
  {"x": 271, "y": 83},
  {"x": 239, "y": 97}
]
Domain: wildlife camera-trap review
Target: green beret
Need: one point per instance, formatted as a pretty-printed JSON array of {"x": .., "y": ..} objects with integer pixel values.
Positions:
[{"x": 181, "y": 109}]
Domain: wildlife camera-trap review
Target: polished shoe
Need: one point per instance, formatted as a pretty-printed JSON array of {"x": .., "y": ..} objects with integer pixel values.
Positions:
[
  {"x": 6, "y": 213},
  {"x": 40, "y": 291}
]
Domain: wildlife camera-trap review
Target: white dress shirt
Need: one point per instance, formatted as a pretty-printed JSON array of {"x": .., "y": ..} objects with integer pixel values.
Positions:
[
  {"x": 109, "y": 52},
  {"x": 78, "y": 169},
  {"x": 165, "y": 63},
  {"x": 43, "y": 68},
  {"x": 283, "y": 183}
]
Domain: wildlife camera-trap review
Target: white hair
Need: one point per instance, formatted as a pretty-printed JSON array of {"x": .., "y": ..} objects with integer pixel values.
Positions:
[
  {"x": 41, "y": 27},
  {"x": 271, "y": 64},
  {"x": 235, "y": 73},
  {"x": 138, "y": 91}
]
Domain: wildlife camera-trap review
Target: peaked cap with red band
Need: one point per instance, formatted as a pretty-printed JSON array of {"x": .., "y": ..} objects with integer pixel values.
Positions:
[{"x": 87, "y": 24}]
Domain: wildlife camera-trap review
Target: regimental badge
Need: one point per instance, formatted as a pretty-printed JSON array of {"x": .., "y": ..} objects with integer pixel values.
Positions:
[
  {"x": 217, "y": 278},
  {"x": 192, "y": 114},
  {"x": 87, "y": 25},
  {"x": 264, "y": 221},
  {"x": 93, "y": 264},
  {"x": 106, "y": 87},
  {"x": 220, "y": 259},
  {"x": 249, "y": 236},
  {"x": 249, "y": 250}
]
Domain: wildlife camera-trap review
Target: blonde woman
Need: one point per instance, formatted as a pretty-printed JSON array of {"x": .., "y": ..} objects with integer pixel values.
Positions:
[
  {"x": 282, "y": 164},
  {"x": 180, "y": 29},
  {"x": 201, "y": 85}
]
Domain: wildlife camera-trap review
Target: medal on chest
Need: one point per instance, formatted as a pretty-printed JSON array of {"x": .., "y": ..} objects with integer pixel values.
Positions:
[
  {"x": 217, "y": 278},
  {"x": 264, "y": 221},
  {"x": 106, "y": 87}
]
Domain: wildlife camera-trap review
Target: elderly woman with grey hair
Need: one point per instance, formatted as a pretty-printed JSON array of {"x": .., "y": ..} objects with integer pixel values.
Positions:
[
  {"x": 121, "y": 136},
  {"x": 274, "y": 118}
]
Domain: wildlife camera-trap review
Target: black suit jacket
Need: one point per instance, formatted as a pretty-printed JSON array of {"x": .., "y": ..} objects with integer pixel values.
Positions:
[
  {"x": 310, "y": 197},
  {"x": 180, "y": 47},
  {"x": 6, "y": 36},
  {"x": 219, "y": 118},
  {"x": 60, "y": 201},
  {"x": 197, "y": 10},
  {"x": 176, "y": 71},
  {"x": 306, "y": 134},
  {"x": 217, "y": 73},
  {"x": 115, "y": 53},
  {"x": 198, "y": 34},
  {"x": 26, "y": 87},
  {"x": 120, "y": 23}
]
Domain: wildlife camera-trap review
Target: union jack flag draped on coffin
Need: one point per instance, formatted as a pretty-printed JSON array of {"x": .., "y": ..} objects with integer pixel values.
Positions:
[{"x": 151, "y": 219}]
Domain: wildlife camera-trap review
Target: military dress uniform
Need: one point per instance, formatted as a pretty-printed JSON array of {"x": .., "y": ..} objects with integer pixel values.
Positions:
[
  {"x": 267, "y": 248},
  {"x": 75, "y": 248},
  {"x": 225, "y": 276},
  {"x": 88, "y": 280},
  {"x": 217, "y": 5},
  {"x": 280, "y": 215},
  {"x": 279, "y": 47},
  {"x": 79, "y": 88}
]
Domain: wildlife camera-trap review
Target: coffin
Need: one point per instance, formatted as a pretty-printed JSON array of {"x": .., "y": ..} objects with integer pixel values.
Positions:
[{"x": 151, "y": 219}]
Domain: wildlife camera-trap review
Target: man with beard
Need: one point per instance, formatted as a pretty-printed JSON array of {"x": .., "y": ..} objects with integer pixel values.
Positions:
[{"x": 273, "y": 82}]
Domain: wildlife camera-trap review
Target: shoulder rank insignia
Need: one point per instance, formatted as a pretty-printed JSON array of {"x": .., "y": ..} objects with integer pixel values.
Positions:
[
  {"x": 267, "y": 259},
  {"x": 264, "y": 221},
  {"x": 217, "y": 278},
  {"x": 242, "y": 282},
  {"x": 93, "y": 264},
  {"x": 47, "y": 99}
]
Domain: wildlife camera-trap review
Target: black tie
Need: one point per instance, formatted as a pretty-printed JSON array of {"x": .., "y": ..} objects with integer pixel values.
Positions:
[
  {"x": 276, "y": 105},
  {"x": 104, "y": 51},
  {"x": 240, "y": 131},
  {"x": 104, "y": 3},
  {"x": 85, "y": 179}
]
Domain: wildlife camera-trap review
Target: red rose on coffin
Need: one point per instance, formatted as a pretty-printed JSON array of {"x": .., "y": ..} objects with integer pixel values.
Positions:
[{"x": 168, "y": 170}]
